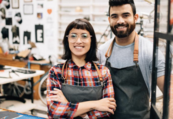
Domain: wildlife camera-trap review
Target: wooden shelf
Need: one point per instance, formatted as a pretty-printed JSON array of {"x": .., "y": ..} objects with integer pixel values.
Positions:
[
  {"x": 90, "y": 9},
  {"x": 99, "y": 22},
  {"x": 61, "y": 46},
  {"x": 74, "y": 13},
  {"x": 92, "y": 22},
  {"x": 63, "y": 22},
  {"x": 74, "y": 5},
  {"x": 99, "y": 14},
  {"x": 61, "y": 30},
  {"x": 100, "y": 4}
]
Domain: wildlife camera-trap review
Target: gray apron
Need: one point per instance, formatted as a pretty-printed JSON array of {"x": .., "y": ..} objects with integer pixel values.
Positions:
[
  {"x": 76, "y": 94},
  {"x": 131, "y": 93}
]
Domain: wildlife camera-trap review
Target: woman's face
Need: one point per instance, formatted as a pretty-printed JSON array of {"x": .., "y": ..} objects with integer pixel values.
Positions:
[{"x": 79, "y": 42}]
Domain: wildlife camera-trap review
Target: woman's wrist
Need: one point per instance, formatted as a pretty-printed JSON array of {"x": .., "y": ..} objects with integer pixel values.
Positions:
[
  {"x": 84, "y": 107},
  {"x": 93, "y": 105}
]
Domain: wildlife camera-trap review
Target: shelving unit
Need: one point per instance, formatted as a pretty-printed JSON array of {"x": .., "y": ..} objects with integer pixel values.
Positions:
[{"x": 94, "y": 10}]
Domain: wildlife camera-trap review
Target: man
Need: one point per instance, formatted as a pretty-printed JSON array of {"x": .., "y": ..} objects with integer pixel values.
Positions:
[{"x": 129, "y": 58}]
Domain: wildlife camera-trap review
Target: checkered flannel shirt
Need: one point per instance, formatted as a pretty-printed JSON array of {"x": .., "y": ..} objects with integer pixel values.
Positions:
[{"x": 84, "y": 76}]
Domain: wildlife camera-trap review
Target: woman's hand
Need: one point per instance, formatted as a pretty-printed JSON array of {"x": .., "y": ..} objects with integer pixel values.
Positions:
[
  {"x": 84, "y": 116},
  {"x": 58, "y": 96},
  {"x": 106, "y": 104}
]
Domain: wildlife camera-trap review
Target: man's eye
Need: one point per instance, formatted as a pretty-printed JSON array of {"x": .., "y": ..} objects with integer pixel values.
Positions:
[
  {"x": 126, "y": 15},
  {"x": 114, "y": 16}
]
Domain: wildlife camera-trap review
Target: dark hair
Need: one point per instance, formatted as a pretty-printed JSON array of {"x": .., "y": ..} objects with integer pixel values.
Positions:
[
  {"x": 84, "y": 25},
  {"x": 122, "y": 2}
]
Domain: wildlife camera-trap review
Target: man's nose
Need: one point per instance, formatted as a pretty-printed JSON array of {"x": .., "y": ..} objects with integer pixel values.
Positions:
[{"x": 120, "y": 20}]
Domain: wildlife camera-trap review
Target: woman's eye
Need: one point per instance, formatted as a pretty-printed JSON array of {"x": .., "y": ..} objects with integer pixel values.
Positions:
[
  {"x": 73, "y": 35},
  {"x": 84, "y": 35}
]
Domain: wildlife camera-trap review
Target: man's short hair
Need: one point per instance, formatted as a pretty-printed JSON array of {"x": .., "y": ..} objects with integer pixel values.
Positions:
[{"x": 122, "y": 2}]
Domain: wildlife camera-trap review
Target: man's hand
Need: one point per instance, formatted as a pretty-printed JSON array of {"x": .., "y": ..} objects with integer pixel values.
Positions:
[
  {"x": 58, "y": 96},
  {"x": 84, "y": 116}
]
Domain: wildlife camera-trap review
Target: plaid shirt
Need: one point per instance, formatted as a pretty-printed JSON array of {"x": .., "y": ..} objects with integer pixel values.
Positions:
[{"x": 84, "y": 76}]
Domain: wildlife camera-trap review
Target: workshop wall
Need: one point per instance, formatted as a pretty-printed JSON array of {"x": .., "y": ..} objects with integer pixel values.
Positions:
[{"x": 38, "y": 25}]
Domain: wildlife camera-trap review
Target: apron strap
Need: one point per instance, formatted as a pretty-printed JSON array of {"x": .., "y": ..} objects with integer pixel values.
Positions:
[
  {"x": 136, "y": 48},
  {"x": 109, "y": 51},
  {"x": 98, "y": 71},
  {"x": 65, "y": 65},
  {"x": 135, "y": 52}
]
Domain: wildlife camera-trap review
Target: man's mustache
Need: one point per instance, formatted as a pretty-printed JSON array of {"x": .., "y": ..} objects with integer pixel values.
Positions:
[{"x": 118, "y": 25}]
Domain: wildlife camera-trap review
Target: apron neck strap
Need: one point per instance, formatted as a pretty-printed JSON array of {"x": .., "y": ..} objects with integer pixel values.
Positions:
[
  {"x": 98, "y": 71},
  {"x": 109, "y": 51},
  {"x": 136, "y": 48},
  {"x": 135, "y": 52},
  {"x": 65, "y": 66}
]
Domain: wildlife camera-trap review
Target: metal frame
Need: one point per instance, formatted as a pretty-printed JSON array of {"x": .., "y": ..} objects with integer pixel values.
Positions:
[{"x": 155, "y": 114}]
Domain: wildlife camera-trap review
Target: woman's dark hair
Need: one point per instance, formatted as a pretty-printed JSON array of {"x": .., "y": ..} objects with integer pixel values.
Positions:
[
  {"x": 84, "y": 25},
  {"x": 122, "y": 2}
]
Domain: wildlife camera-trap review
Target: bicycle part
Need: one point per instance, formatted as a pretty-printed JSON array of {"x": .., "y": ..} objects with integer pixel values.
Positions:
[
  {"x": 104, "y": 34},
  {"x": 42, "y": 88},
  {"x": 141, "y": 31},
  {"x": 13, "y": 89},
  {"x": 27, "y": 88}
]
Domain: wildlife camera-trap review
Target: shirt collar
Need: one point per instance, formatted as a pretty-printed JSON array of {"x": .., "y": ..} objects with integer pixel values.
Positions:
[{"x": 71, "y": 64}]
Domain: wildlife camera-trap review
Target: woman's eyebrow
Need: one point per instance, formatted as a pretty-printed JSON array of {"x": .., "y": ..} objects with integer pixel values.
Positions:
[
  {"x": 78, "y": 33},
  {"x": 73, "y": 33}
]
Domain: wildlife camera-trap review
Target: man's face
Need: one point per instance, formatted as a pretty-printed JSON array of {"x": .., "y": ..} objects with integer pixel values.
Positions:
[{"x": 122, "y": 21}]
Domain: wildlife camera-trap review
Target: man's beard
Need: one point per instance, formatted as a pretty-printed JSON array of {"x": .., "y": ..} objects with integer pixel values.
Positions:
[{"x": 123, "y": 34}]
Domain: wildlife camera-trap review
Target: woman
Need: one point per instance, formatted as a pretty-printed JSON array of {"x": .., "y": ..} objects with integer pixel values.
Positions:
[{"x": 80, "y": 88}]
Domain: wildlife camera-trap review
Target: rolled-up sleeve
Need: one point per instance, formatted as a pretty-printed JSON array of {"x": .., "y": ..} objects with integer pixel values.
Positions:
[{"x": 57, "y": 109}]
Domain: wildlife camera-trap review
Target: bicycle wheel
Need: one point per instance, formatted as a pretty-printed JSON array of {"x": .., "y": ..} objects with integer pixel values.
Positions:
[{"x": 42, "y": 88}]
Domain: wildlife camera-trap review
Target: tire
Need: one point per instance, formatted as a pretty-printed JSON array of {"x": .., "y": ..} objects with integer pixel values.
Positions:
[{"x": 42, "y": 88}]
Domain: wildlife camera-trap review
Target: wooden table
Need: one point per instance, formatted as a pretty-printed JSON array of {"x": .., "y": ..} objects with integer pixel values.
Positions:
[{"x": 36, "y": 65}]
